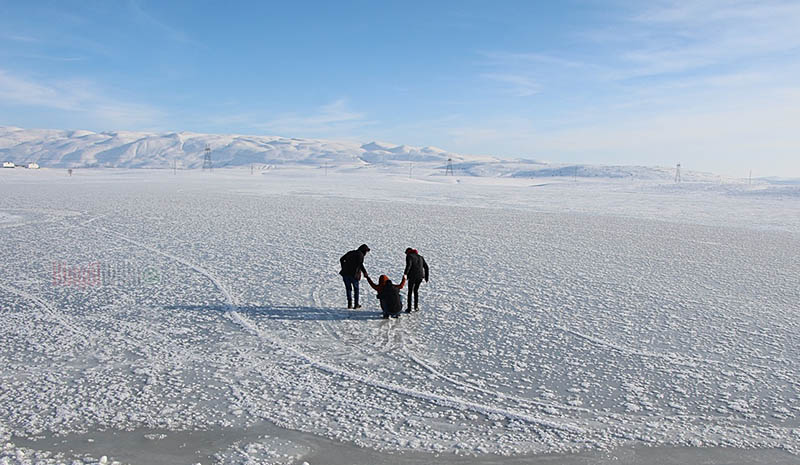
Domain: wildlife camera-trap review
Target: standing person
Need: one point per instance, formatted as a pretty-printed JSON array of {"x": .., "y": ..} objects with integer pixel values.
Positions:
[
  {"x": 389, "y": 295},
  {"x": 416, "y": 270},
  {"x": 352, "y": 267}
]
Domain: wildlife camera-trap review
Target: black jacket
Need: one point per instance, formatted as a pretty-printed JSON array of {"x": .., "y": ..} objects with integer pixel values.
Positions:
[
  {"x": 416, "y": 268},
  {"x": 391, "y": 302},
  {"x": 352, "y": 264}
]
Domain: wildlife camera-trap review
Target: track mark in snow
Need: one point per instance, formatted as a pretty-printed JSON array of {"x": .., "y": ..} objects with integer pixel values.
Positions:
[
  {"x": 474, "y": 387},
  {"x": 499, "y": 395},
  {"x": 447, "y": 401},
  {"x": 47, "y": 307},
  {"x": 672, "y": 357},
  {"x": 232, "y": 301},
  {"x": 90, "y": 220}
]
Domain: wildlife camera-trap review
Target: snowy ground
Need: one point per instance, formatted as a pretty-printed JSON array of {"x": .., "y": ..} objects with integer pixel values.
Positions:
[{"x": 142, "y": 309}]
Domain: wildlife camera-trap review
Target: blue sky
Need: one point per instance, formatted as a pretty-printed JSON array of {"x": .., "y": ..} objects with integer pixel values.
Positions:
[{"x": 714, "y": 85}]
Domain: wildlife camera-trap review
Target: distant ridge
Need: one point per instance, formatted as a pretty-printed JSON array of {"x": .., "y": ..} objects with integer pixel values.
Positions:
[
  {"x": 123, "y": 149},
  {"x": 53, "y": 148}
]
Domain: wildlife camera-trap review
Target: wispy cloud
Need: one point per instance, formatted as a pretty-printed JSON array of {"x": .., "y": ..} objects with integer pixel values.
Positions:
[
  {"x": 753, "y": 134},
  {"x": 700, "y": 58},
  {"x": 144, "y": 17},
  {"x": 77, "y": 97},
  {"x": 332, "y": 119},
  {"x": 525, "y": 74},
  {"x": 758, "y": 132},
  {"x": 517, "y": 85},
  {"x": 20, "y": 38},
  {"x": 515, "y": 59},
  {"x": 678, "y": 36},
  {"x": 53, "y": 58},
  {"x": 20, "y": 91}
]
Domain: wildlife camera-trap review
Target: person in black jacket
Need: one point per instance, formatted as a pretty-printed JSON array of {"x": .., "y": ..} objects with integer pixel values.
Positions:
[
  {"x": 352, "y": 267},
  {"x": 416, "y": 270},
  {"x": 389, "y": 295}
]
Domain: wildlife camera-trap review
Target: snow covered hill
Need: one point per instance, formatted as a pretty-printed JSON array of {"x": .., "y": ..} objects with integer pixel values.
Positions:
[
  {"x": 60, "y": 148},
  {"x": 122, "y": 149}
]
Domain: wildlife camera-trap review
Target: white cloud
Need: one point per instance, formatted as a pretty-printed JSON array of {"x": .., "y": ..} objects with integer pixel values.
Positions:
[
  {"x": 332, "y": 119},
  {"x": 80, "y": 98},
  {"x": 678, "y": 36},
  {"x": 20, "y": 38},
  {"x": 524, "y": 74},
  {"x": 20, "y": 91},
  {"x": 518, "y": 85},
  {"x": 758, "y": 133},
  {"x": 54, "y": 58},
  {"x": 714, "y": 82},
  {"x": 516, "y": 60},
  {"x": 147, "y": 19}
]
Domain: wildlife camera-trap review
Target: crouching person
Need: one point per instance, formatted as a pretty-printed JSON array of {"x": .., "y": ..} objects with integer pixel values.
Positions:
[{"x": 389, "y": 295}]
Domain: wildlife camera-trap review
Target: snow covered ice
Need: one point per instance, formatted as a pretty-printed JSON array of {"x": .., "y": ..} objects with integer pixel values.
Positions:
[{"x": 561, "y": 317}]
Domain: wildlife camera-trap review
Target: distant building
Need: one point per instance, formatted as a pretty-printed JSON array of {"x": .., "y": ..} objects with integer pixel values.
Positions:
[
  {"x": 33, "y": 166},
  {"x": 8, "y": 164}
]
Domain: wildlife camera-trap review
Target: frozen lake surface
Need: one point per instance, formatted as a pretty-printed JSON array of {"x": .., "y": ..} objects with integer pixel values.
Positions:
[{"x": 584, "y": 321}]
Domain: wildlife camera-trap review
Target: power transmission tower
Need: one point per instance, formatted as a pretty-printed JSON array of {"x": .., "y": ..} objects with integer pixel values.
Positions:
[
  {"x": 678, "y": 173},
  {"x": 207, "y": 159},
  {"x": 449, "y": 169}
]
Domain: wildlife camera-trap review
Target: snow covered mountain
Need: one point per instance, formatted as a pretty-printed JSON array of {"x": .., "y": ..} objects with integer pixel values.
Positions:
[{"x": 122, "y": 149}]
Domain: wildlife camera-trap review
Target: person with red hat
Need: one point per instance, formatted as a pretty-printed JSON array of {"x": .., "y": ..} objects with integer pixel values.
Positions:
[
  {"x": 416, "y": 270},
  {"x": 389, "y": 295},
  {"x": 352, "y": 267}
]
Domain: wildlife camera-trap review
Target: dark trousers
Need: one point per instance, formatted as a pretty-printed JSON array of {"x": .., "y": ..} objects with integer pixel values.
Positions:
[
  {"x": 351, "y": 285},
  {"x": 413, "y": 289}
]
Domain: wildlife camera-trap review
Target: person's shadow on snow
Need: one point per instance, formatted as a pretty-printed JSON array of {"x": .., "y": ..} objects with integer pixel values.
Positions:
[{"x": 278, "y": 312}]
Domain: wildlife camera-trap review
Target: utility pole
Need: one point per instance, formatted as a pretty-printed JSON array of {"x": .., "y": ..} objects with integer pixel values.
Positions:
[
  {"x": 207, "y": 159},
  {"x": 449, "y": 169}
]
